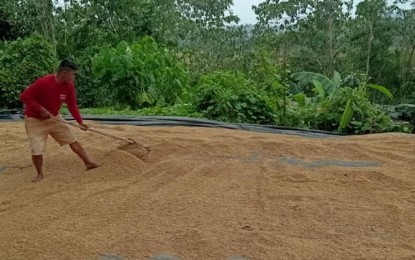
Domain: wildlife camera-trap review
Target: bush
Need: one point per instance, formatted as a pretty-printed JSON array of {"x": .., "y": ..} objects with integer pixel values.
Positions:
[
  {"x": 139, "y": 75},
  {"x": 231, "y": 97},
  {"x": 86, "y": 84},
  {"x": 336, "y": 105},
  {"x": 365, "y": 116},
  {"x": 21, "y": 62}
]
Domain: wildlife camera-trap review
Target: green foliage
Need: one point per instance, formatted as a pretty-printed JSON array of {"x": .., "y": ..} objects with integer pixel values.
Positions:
[
  {"x": 88, "y": 92},
  {"x": 272, "y": 80},
  {"x": 373, "y": 47},
  {"x": 186, "y": 110},
  {"x": 21, "y": 62},
  {"x": 312, "y": 32},
  {"x": 369, "y": 117},
  {"x": 231, "y": 97},
  {"x": 320, "y": 81},
  {"x": 139, "y": 75},
  {"x": 228, "y": 48},
  {"x": 336, "y": 106},
  {"x": 326, "y": 36},
  {"x": 358, "y": 114}
]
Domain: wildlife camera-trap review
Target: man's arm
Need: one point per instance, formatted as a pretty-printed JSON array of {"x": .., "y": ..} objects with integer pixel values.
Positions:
[
  {"x": 73, "y": 106},
  {"x": 28, "y": 98}
]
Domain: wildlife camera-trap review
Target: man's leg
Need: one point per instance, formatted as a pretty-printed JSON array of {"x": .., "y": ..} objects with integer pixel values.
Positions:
[
  {"x": 79, "y": 150},
  {"x": 38, "y": 163},
  {"x": 63, "y": 135},
  {"x": 36, "y": 130}
]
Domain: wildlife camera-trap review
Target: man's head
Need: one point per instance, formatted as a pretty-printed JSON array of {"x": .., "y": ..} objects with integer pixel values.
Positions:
[{"x": 67, "y": 71}]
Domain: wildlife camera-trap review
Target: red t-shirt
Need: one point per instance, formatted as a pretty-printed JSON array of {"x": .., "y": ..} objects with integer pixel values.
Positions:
[{"x": 46, "y": 92}]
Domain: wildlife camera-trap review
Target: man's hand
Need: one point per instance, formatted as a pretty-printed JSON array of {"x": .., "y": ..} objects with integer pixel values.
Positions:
[{"x": 45, "y": 114}]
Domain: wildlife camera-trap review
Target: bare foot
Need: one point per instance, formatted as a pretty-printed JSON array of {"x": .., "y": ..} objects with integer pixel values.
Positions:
[
  {"x": 38, "y": 178},
  {"x": 91, "y": 166}
]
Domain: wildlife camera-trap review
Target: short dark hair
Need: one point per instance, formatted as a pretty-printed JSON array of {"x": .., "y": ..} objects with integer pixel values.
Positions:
[{"x": 68, "y": 64}]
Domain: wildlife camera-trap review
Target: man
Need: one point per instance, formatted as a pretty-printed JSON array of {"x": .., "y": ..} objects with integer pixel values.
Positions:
[{"x": 43, "y": 100}]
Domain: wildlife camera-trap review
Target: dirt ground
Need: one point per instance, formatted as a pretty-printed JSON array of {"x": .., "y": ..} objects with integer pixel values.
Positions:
[{"x": 208, "y": 193}]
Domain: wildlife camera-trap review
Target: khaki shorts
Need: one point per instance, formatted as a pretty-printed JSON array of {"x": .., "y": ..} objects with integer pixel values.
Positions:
[{"x": 38, "y": 131}]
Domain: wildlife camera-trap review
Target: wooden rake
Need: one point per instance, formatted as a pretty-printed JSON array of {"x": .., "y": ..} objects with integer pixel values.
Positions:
[{"x": 127, "y": 140}]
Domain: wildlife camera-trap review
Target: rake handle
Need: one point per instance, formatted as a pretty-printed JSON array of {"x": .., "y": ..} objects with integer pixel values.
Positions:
[{"x": 130, "y": 141}]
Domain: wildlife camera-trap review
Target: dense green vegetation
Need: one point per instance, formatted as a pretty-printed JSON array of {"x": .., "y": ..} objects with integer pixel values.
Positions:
[{"x": 331, "y": 65}]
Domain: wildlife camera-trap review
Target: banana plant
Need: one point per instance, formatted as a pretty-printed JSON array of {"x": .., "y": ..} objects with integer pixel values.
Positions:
[
  {"x": 329, "y": 85},
  {"x": 329, "y": 90},
  {"x": 354, "y": 100}
]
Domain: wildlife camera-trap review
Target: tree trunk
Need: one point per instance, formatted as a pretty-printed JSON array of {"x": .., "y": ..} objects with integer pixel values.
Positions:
[
  {"x": 44, "y": 9},
  {"x": 330, "y": 22},
  {"x": 369, "y": 49}
]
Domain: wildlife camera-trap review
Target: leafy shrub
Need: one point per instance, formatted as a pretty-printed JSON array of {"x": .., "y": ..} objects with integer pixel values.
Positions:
[
  {"x": 229, "y": 96},
  {"x": 273, "y": 80},
  {"x": 303, "y": 113},
  {"x": 21, "y": 62},
  {"x": 139, "y": 75},
  {"x": 87, "y": 87},
  {"x": 355, "y": 113},
  {"x": 337, "y": 106}
]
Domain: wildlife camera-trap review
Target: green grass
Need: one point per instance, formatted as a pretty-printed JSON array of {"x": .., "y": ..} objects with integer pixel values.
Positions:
[{"x": 184, "y": 110}]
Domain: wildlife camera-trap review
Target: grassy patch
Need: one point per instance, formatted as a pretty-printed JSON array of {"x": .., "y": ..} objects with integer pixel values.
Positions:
[{"x": 176, "y": 110}]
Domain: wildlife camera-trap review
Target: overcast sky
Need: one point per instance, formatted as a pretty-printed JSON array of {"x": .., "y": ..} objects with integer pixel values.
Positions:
[{"x": 243, "y": 9}]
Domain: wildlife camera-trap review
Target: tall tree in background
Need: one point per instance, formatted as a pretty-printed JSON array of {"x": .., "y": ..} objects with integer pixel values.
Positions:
[
  {"x": 30, "y": 16},
  {"x": 324, "y": 36},
  {"x": 83, "y": 27},
  {"x": 370, "y": 15},
  {"x": 126, "y": 19},
  {"x": 45, "y": 23},
  {"x": 406, "y": 54},
  {"x": 383, "y": 39},
  {"x": 317, "y": 27}
]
